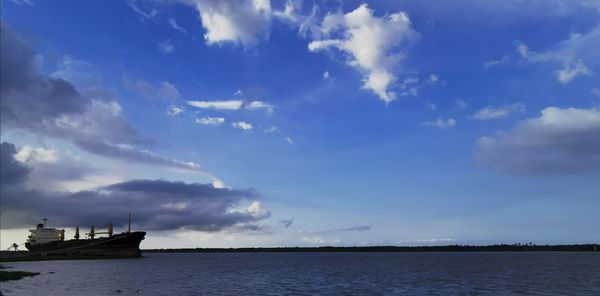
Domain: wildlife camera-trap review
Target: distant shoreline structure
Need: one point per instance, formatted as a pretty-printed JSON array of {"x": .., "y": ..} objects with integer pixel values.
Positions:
[{"x": 407, "y": 249}]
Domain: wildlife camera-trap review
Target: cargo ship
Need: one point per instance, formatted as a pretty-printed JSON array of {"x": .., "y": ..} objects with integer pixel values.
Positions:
[{"x": 47, "y": 241}]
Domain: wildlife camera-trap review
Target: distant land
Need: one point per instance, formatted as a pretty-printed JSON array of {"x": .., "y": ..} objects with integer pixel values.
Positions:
[{"x": 448, "y": 248}]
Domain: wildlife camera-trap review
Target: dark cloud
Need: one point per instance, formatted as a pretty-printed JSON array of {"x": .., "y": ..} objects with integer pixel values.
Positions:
[
  {"x": 26, "y": 95},
  {"x": 163, "y": 91},
  {"x": 559, "y": 141},
  {"x": 52, "y": 169},
  {"x": 156, "y": 204},
  {"x": 287, "y": 222},
  {"x": 53, "y": 107},
  {"x": 131, "y": 154},
  {"x": 12, "y": 172}
]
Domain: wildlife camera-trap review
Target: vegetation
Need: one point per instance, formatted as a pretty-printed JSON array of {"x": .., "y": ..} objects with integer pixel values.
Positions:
[
  {"x": 449, "y": 248},
  {"x": 15, "y": 275}
]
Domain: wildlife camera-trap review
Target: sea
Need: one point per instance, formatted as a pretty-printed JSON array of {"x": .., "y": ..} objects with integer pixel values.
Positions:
[{"x": 469, "y": 273}]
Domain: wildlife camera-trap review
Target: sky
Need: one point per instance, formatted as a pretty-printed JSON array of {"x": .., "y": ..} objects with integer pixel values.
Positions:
[{"x": 303, "y": 123}]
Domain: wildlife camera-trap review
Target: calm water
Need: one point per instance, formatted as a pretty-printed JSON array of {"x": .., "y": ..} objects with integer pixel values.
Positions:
[{"x": 317, "y": 273}]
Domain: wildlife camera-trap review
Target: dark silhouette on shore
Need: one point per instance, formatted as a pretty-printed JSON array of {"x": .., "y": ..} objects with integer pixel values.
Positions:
[{"x": 448, "y": 248}]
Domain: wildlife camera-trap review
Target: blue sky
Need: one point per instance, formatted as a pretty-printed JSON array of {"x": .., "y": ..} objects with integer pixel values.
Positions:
[{"x": 257, "y": 123}]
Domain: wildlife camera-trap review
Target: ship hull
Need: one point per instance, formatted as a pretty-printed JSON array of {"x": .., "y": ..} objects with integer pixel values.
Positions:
[{"x": 124, "y": 245}]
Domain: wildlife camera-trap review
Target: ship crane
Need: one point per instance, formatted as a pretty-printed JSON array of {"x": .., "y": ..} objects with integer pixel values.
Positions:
[{"x": 93, "y": 233}]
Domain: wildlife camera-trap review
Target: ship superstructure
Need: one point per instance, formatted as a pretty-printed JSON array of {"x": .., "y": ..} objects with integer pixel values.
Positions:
[{"x": 41, "y": 234}]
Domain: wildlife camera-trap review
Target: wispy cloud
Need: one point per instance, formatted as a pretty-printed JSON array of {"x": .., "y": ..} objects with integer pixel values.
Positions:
[
  {"x": 492, "y": 113},
  {"x": 271, "y": 130},
  {"x": 164, "y": 90},
  {"x": 174, "y": 110},
  {"x": 166, "y": 46},
  {"x": 573, "y": 54},
  {"x": 207, "y": 120},
  {"x": 441, "y": 123},
  {"x": 242, "y": 125},
  {"x": 232, "y": 105},
  {"x": 175, "y": 26},
  {"x": 287, "y": 222},
  {"x": 146, "y": 14},
  {"x": 493, "y": 63}
]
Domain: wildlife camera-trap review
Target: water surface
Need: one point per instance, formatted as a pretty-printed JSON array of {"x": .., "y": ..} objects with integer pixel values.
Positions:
[{"x": 498, "y": 273}]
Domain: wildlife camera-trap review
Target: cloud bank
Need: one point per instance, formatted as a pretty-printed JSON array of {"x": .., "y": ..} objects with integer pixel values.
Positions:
[
  {"x": 53, "y": 107},
  {"x": 560, "y": 140},
  {"x": 156, "y": 204}
]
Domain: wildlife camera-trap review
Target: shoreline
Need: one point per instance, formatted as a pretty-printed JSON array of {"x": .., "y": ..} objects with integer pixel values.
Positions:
[
  {"x": 399, "y": 249},
  {"x": 17, "y": 256}
]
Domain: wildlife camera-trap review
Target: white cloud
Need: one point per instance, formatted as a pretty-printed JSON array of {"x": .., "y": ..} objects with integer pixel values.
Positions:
[
  {"x": 243, "y": 22},
  {"x": 318, "y": 240},
  {"x": 431, "y": 106},
  {"x": 259, "y": 105},
  {"x": 289, "y": 140},
  {"x": 232, "y": 105},
  {"x": 491, "y": 113},
  {"x": 369, "y": 42},
  {"x": 596, "y": 91},
  {"x": 238, "y": 92},
  {"x": 29, "y": 154},
  {"x": 166, "y": 46},
  {"x": 174, "y": 110},
  {"x": 175, "y": 26},
  {"x": 326, "y": 75},
  {"x": 217, "y": 105},
  {"x": 560, "y": 140},
  {"x": 216, "y": 183},
  {"x": 207, "y": 120},
  {"x": 242, "y": 125},
  {"x": 441, "y": 123}
]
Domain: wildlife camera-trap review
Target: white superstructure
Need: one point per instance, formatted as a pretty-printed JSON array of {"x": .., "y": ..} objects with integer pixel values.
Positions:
[{"x": 42, "y": 234}]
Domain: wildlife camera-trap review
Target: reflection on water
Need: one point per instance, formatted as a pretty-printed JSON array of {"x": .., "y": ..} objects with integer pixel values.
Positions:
[{"x": 316, "y": 273}]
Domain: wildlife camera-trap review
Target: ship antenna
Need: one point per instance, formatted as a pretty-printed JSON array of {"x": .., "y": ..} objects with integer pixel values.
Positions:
[
  {"x": 129, "y": 227},
  {"x": 44, "y": 219}
]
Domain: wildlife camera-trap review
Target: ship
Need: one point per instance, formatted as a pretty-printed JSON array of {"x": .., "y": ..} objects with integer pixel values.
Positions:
[{"x": 48, "y": 241}]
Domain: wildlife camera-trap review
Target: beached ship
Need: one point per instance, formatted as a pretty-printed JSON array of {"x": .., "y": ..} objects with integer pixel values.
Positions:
[{"x": 47, "y": 241}]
